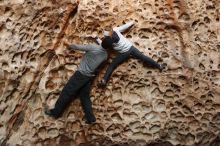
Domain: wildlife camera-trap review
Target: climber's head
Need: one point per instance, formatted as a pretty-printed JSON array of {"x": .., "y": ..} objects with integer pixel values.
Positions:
[{"x": 107, "y": 42}]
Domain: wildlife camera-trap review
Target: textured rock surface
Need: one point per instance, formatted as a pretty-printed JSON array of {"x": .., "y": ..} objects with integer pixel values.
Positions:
[{"x": 140, "y": 105}]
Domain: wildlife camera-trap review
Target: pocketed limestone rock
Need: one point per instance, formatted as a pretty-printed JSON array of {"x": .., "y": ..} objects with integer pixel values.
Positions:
[{"x": 140, "y": 105}]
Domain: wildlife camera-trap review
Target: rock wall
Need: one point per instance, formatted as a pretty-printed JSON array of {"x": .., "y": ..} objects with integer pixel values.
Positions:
[{"x": 140, "y": 105}]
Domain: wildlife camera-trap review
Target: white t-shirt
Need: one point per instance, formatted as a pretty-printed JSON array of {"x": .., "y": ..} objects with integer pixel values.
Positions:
[{"x": 123, "y": 45}]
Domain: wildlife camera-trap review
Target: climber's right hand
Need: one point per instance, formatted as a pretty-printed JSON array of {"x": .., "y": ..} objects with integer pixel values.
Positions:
[
  {"x": 102, "y": 83},
  {"x": 162, "y": 67}
]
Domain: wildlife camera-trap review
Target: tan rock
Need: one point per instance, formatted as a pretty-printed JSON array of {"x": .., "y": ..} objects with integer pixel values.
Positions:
[{"x": 140, "y": 105}]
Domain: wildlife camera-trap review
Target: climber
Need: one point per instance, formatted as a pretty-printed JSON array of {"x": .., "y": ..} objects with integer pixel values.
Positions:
[
  {"x": 80, "y": 81},
  {"x": 125, "y": 49}
]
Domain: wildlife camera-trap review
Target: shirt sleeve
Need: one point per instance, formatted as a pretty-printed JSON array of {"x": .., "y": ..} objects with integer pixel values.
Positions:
[
  {"x": 124, "y": 27},
  {"x": 91, "y": 47},
  {"x": 99, "y": 41},
  {"x": 106, "y": 33}
]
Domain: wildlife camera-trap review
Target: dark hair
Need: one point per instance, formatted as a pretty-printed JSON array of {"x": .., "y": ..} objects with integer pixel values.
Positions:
[{"x": 107, "y": 42}]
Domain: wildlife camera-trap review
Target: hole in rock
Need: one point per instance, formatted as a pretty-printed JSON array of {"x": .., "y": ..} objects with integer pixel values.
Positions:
[
  {"x": 35, "y": 44},
  {"x": 201, "y": 66},
  {"x": 134, "y": 125},
  {"x": 210, "y": 7},
  {"x": 155, "y": 128},
  {"x": 7, "y": 9},
  {"x": 184, "y": 16},
  {"x": 4, "y": 65},
  {"x": 195, "y": 23},
  {"x": 207, "y": 20},
  {"x": 50, "y": 85},
  {"x": 116, "y": 117}
]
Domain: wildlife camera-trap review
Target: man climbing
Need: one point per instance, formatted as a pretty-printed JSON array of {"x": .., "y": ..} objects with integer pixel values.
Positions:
[
  {"x": 126, "y": 50},
  {"x": 80, "y": 82}
]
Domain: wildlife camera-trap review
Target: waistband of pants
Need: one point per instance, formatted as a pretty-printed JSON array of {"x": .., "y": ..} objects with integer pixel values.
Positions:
[
  {"x": 129, "y": 50},
  {"x": 87, "y": 75}
]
